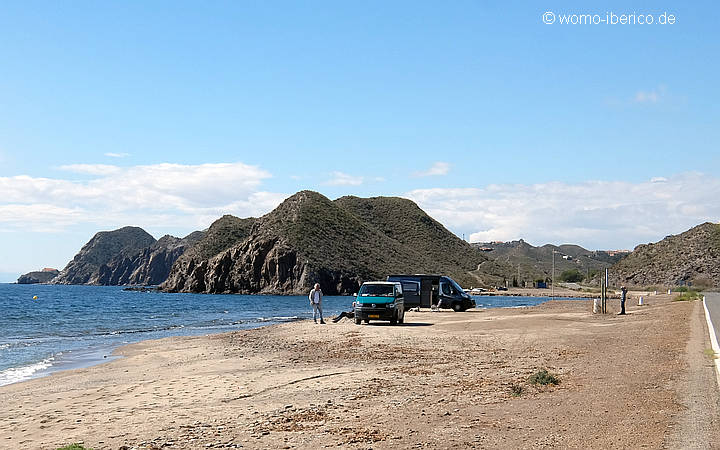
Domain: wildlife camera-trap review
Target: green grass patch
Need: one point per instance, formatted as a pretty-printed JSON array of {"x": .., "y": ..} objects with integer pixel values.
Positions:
[
  {"x": 688, "y": 295},
  {"x": 74, "y": 447},
  {"x": 543, "y": 377}
]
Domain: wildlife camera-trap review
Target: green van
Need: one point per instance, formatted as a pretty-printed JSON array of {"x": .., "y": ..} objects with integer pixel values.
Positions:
[{"x": 380, "y": 300}]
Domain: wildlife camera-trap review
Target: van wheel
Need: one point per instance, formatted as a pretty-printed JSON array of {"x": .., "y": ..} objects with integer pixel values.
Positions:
[
  {"x": 401, "y": 319},
  {"x": 457, "y": 307},
  {"x": 394, "y": 318},
  {"x": 357, "y": 321}
]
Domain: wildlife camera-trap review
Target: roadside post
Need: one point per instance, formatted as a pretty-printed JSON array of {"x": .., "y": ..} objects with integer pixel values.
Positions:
[{"x": 607, "y": 283}]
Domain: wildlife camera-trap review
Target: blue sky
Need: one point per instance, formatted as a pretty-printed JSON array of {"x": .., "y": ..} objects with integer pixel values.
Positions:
[{"x": 168, "y": 114}]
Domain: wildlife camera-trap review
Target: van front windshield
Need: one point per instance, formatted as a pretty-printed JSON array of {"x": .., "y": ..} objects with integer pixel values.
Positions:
[
  {"x": 376, "y": 290},
  {"x": 457, "y": 287}
]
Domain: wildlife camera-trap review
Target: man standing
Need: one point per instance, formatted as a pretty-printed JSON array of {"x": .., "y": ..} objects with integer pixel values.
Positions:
[
  {"x": 316, "y": 302},
  {"x": 623, "y": 296}
]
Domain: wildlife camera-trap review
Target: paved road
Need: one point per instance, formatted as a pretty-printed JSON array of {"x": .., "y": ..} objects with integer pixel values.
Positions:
[
  {"x": 712, "y": 299},
  {"x": 712, "y": 304}
]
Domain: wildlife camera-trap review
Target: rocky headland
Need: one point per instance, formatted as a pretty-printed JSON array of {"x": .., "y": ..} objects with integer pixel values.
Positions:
[
  {"x": 38, "y": 277},
  {"x": 127, "y": 256}
]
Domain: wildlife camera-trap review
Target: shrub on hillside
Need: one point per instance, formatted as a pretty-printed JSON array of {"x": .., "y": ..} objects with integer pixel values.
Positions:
[{"x": 571, "y": 276}]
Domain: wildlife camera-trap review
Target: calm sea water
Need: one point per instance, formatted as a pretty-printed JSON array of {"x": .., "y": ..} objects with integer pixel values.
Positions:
[{"x": 75, "y": 326}]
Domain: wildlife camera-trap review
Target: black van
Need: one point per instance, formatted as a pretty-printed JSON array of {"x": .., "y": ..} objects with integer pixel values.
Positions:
[{"x": 426, "y": 291}]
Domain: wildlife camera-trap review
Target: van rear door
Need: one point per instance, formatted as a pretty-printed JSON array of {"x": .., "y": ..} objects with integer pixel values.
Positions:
[{"x": 426, "y": 288}]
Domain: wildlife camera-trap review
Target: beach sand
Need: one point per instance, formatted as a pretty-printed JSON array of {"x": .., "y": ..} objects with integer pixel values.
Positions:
[{"x": 443, "y": 380}]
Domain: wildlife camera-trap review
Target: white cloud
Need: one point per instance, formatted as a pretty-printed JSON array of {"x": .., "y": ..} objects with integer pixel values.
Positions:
[
  {"x": 153, "y": 195},
  {"x": 39, "y": 217},
  {"x": 117, "y": 155},
  {"x": 651, "y": 96},
  {"x": 91, "y": 169},
  {"x": 594, "y": 214},
  {"x": 343, "y": 179},
  {"x": 437, "y": 169},
  {"x": 646, "y": 97}
]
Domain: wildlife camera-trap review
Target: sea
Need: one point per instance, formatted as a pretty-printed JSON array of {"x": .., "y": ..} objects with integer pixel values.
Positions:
[{"x": 46, "y": 328}]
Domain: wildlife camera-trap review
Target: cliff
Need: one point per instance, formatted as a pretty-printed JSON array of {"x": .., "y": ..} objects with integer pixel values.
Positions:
[
  {"x": 40, "y": 276},
  {"x": 188, "y": 272},
  {"x": 150, "y": 266},
  {"x": 125, "y": 256},
  {"x": 692, "y": 256},
  {"x": 339, "y": 244}
]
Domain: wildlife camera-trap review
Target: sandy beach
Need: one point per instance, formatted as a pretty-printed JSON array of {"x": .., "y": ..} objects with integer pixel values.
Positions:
[{"x": 443, "y": 380}]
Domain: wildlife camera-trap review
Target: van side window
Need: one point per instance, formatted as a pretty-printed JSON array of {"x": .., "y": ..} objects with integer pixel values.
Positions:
[
  {"x": 411, "y": 287},
  {"x": 445, "y": 288}
]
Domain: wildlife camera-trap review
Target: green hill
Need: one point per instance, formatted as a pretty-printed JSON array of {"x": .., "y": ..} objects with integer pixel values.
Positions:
[{"x": 340, "y": 244}]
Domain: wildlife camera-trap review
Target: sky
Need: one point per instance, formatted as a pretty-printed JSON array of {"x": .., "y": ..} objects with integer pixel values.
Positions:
[{"x": 168, "y": 114}]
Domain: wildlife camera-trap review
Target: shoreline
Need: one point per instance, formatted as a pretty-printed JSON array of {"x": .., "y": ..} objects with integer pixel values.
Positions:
[
  {"x": 442, "y": 380},
  {"x": 62, "y": 361},
  {"x": 101, "y": 354}
]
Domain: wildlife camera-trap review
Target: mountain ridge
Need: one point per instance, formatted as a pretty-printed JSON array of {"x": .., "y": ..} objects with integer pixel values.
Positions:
[
  {"x": 309, "y": 238},
  {"x": 536, "y": 263},
  {"x": 692, "y": 256}
]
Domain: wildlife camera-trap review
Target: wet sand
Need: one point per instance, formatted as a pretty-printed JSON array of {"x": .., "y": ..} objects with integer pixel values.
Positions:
[{"x": 442, "y": 380}]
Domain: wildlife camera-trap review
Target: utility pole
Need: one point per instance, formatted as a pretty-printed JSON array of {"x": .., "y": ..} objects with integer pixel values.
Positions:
[{"x": 552, "y": 290}]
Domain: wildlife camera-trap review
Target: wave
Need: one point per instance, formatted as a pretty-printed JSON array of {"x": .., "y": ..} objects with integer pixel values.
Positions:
[
  {"x": 279, "y": 319},
  {"x": 16, "y": 374},
  {"x": 140, "y": 330},
  {"x": 22, "y": 341}
]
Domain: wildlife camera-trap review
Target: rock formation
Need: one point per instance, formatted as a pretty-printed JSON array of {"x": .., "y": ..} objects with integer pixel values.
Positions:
[
  {"x": 126, "y": 256},
  {"x": 188, "y": 272},
  {"x": 40, "y": 276}
]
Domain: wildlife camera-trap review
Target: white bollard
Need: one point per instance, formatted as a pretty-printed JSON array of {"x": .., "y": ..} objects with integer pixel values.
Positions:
[
  {"x": 654, "y": 292},
  {"x": 596, "y": 306},
  {"x": 640, "y": 301}
]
